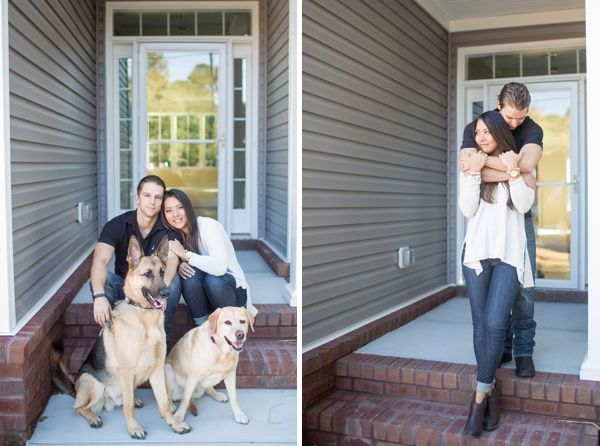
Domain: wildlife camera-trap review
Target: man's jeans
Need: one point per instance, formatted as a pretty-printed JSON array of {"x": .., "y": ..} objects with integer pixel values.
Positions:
[
  {"x": 492, "y": 294},
  {"x": 521, "y": 323},
  {"x": 204, "y": 293},
  {"x": 113, "y": 288}
]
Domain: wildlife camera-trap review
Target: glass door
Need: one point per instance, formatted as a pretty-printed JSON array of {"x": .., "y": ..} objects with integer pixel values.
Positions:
[
  {"x": 182, "y": 120},
  {"x": 555, "y": 108}
]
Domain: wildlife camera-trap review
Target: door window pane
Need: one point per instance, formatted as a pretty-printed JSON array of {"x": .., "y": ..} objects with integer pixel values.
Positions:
[
  {"x": 126, "y": 24},
  {"x": 552, "y": 212},
  {"x": 237, "y": 23},
  {"x": 210, "y": 23},
  {"x": 182, "y": 105},
  {"x": 535, "y": 64},
  {"x": 239, "y": 133},
  {"x": 480, "y": 67},
  {"x": 125, "y": 135},
  {"x": 582, "y": 61},
  {"x": 563, "y": 62},
  {"x": 508, "y": 65},
  {"x": 154, "y": 24},
  {"x": 182, "y": 23}
]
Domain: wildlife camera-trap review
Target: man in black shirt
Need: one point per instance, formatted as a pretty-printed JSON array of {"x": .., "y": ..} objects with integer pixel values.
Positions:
[
  {"x": 513, "y": 105},
  {"x": 145, "y": 224}
]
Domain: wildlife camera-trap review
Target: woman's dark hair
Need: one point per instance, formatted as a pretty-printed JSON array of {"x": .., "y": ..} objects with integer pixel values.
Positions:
[
  {"x": 192, "y": 238},
  {"x": 501, "y": 133}
]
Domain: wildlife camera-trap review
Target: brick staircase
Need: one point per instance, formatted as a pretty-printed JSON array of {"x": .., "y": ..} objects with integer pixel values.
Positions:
[
  {"x": 383, "y": 400},
  {"x": 267, "y": 361}
]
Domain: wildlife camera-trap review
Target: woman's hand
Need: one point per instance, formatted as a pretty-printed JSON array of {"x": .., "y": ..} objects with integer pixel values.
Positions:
[
  {"x": 186, "y": 270},
  {"x": 176, "y": 248},
  {"x": 510, "y": 160},
  {"x": 476, "y": 161}
]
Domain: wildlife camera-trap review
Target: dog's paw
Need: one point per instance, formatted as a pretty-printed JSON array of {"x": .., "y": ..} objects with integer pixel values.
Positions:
[
  {"x": 180, "y": 427},
  {"x": 242, "y": 418},
  {"x": 95, "y": 422},
  {"x": 138, "y": 403},
  {"x": 137, "y": 432},
  {"x": 217, "y": 396}
]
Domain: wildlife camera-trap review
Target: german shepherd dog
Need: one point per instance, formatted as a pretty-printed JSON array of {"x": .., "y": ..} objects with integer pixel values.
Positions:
[
  {"x": 130, "y": 350},
  {"x": 207, "y": 355}
]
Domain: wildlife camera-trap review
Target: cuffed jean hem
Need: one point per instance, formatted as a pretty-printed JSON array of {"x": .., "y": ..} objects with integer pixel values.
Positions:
[{"x": 484, "y": 387}]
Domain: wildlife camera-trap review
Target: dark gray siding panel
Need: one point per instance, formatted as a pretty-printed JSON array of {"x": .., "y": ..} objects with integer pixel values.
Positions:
[
  {"x": 52, "y": 62},
  {"x": 481, "y": 38},
  {"x": 277, "y": 125},
  {"x": 374, "y": 159}
]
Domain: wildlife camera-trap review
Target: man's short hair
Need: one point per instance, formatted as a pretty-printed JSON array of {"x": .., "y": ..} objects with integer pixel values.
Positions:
[
  {"x": 151, "y": 179},
  {"x": 516, "y": 95}
]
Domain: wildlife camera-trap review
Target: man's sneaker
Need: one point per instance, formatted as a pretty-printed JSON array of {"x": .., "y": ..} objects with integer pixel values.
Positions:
[{"x": 525, "y": 367}]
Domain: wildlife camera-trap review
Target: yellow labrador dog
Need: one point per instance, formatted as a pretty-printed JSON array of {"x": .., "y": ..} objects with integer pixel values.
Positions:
[{"x": 205, "y": 356}]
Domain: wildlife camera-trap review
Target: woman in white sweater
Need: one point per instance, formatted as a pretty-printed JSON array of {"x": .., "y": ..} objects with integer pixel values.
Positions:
[
  {"x": 213, "y": 277},
  {"x": 495, "y": 261}
]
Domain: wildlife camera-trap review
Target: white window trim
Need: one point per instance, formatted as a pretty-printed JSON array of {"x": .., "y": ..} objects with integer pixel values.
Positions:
[
  {"x": 253, "y": 88},
  {"x": 461, "y": 88},
  {"x": 7, "y": 302}
]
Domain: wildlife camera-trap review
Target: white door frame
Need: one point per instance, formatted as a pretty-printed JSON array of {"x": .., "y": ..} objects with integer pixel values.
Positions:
[
  {"x": 467, "y": 87},
  {"x": 247, "y": 46}
]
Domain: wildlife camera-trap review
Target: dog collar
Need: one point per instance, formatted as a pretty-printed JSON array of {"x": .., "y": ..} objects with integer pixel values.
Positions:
[{"x": 135, "y": 304}]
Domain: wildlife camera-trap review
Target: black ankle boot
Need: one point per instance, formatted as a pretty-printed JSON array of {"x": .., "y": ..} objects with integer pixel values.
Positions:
[
  {"x": 491, "y": 416},
  {"x": 474, "y": 424}
]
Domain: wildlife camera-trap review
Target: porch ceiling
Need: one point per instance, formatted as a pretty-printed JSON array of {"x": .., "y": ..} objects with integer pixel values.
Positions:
[{"x": 469, "y": 15}]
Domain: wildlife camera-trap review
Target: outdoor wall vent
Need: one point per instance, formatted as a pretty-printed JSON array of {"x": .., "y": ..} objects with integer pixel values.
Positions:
[
  {"x": 406, "y": 257},
  {"x": 84, "y": 212}
]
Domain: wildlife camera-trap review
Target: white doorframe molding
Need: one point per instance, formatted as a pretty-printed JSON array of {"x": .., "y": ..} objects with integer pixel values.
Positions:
[
  {"x": 7, "y": 302},
  {"x": 590, "y": 368},
  {"x": 294, "y": 223}
]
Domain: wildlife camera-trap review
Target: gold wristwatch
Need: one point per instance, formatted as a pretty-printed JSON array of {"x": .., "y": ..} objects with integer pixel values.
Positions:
[
  {"x": 187, "y": 255},
  {"x": 513, "y": 173}
]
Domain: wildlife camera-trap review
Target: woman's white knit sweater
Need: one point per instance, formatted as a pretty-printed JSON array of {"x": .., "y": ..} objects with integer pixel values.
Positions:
[{"x": 496, "y": 231}]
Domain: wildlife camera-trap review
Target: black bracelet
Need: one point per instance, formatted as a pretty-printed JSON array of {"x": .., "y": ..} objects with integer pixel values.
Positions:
[{"x": 98, "y": 295}]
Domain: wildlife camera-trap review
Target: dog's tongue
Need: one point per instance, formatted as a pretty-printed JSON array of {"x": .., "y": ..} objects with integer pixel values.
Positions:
[{"x": 160, "y": 304}]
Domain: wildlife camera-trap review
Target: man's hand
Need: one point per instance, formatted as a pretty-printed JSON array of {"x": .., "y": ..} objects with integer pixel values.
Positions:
[
  {"x": 102, "y": 311},
  {"x": 186, "y": 270},
  {"x": 530, "y": 180}
]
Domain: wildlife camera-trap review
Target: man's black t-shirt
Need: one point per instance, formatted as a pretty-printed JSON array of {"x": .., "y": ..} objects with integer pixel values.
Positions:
[
  {"x": 527, "y": 133},
  {"x": 119, "y": 230}
]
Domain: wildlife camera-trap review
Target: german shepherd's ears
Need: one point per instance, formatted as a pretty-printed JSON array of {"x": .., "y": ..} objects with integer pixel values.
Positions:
[
  {"x": 163, "y": 250},
  {"x": 134, "y": 252}
]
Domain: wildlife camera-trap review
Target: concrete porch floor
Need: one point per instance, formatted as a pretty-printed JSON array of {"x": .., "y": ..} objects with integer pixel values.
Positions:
[{"x": 445, "y": 334}]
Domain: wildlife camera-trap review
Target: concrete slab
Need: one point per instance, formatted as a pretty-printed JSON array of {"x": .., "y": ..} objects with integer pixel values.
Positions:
[
  {"x": 272, "y": 416},
  {"x": 445, "y": 334}
]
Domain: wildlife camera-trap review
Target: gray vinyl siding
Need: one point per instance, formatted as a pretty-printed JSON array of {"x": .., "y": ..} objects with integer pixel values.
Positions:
[
  {"x": 277, "y": 125},
  {"x": 375, "y": 89},
  {"x": 52, "y": 62},
  {"x": 482, "y": 38}
]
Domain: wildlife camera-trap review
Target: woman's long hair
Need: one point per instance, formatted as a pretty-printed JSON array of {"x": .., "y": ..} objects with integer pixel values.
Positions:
[
  {"x": 506, "y": 142},
  {"x": 191, "y": 240}
]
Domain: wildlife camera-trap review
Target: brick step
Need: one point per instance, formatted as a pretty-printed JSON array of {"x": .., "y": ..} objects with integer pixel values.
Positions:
[
  {"x": 264, "y": 363},
  {"x": 360, "y": 418},
  {"x": 552, "y": 394},
  {"x": 272, "y": 321}
]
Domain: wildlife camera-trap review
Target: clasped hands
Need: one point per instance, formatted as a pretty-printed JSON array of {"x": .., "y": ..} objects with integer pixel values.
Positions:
[{"x": 473, "y": 162}]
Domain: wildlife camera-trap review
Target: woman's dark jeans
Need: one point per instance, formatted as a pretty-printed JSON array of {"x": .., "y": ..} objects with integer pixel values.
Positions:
[
  {"x": 204, "y": 293},
  {"x": 491, "y": 295}
]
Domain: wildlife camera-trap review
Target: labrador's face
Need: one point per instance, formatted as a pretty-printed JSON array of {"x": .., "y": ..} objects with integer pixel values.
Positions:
[{"x": 231, "y": 324}]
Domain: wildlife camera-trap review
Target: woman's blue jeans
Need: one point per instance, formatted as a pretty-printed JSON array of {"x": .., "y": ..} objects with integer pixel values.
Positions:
[
  {"x": 491, "y": 295},
  {"x": 204, "y": 293}
]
